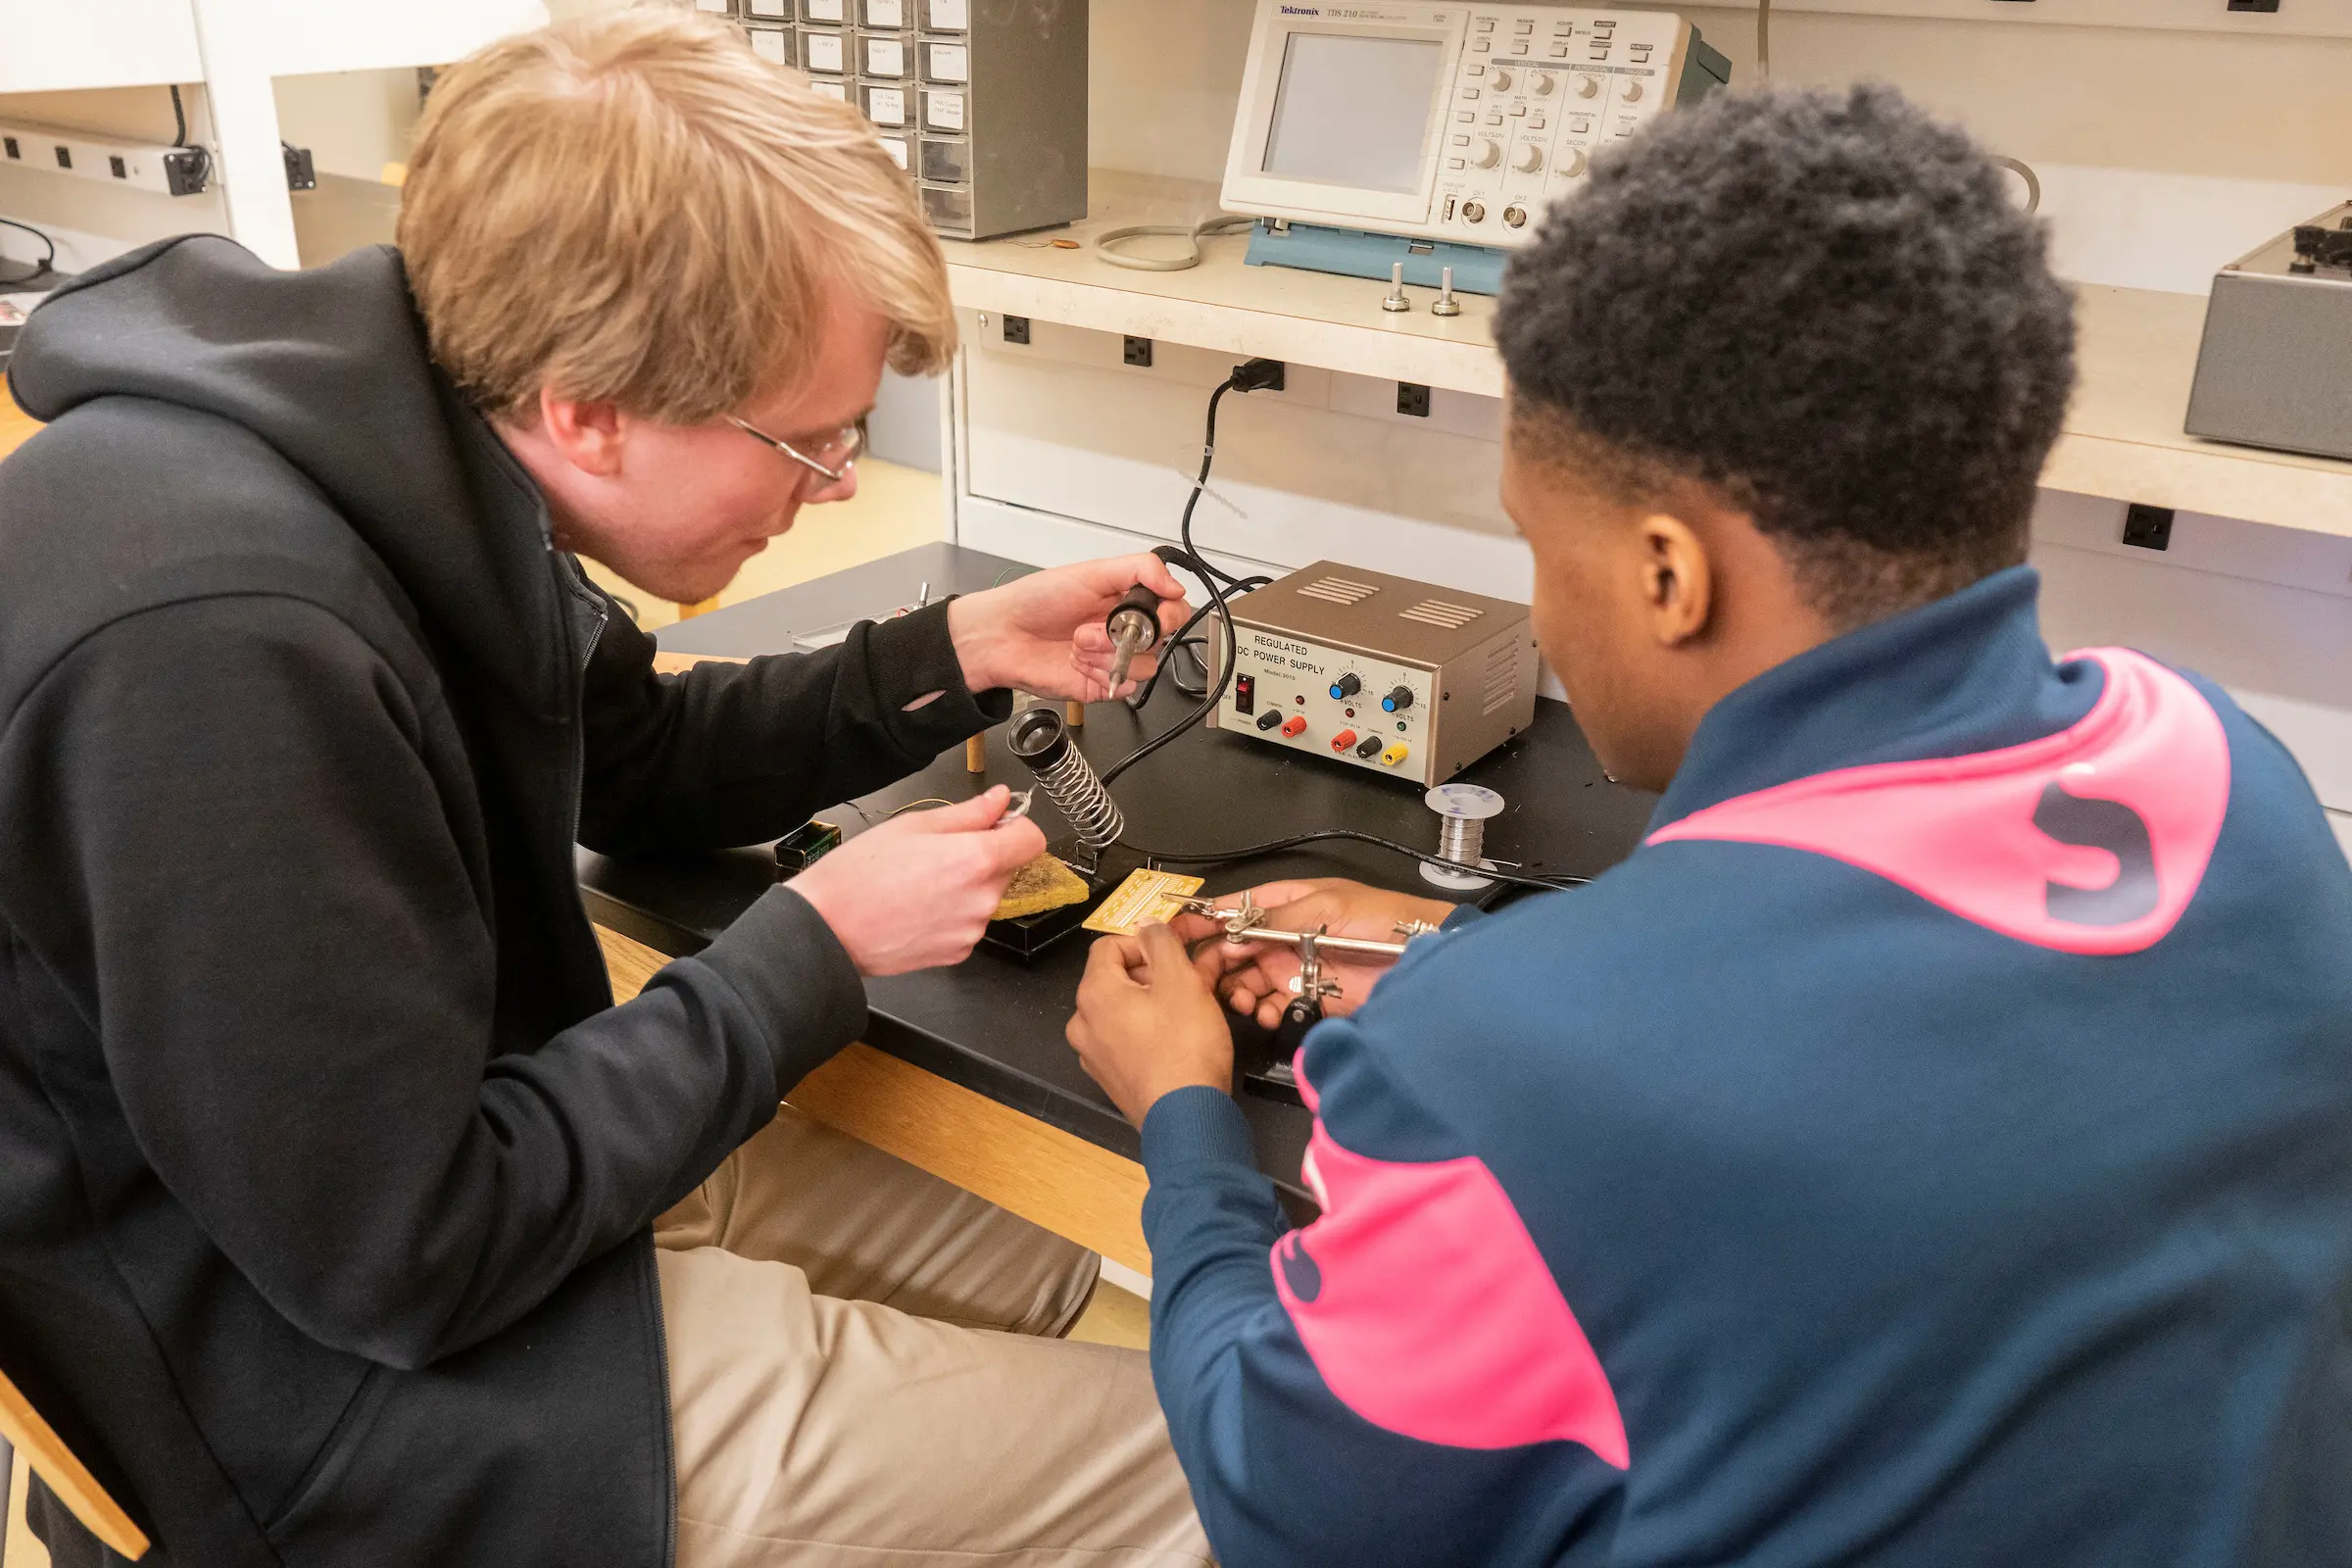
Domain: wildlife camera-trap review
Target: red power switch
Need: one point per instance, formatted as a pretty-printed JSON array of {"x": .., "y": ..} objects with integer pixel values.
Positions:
[
  {"x": 1343, "y": 740},
  {"x": 1293, "y": 726}
]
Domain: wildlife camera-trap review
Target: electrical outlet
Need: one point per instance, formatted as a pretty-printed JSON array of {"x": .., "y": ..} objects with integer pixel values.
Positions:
[
  {"x": 1016, "y": 330},
  {"x": 2148, "y": 527},
  {"x": 1413, "y": 398},
  {"x": 1139, "y": 353}
]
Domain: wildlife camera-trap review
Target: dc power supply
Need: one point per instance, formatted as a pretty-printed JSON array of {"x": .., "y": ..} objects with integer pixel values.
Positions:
[{"x": 1377, "y": 672}]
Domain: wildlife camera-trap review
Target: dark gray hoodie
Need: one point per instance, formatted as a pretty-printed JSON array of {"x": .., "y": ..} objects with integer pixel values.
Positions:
[{"x": 325, "y": 1163}]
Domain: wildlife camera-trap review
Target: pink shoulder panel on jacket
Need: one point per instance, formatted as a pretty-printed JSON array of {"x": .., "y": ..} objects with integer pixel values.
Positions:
[
  {"x": 1428, "y": 1310},
  {"x": 2090, "y": 841}
]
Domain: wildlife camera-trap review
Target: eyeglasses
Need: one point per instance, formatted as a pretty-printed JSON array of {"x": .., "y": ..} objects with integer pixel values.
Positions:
[{"x": 842, "y": 451}]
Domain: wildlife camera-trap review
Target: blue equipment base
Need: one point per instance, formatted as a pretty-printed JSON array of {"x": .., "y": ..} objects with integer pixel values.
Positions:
[{"x": 1352, "y": 253}]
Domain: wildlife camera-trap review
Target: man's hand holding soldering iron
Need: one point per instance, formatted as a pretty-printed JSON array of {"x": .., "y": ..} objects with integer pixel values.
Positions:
[
  {"x": 1148, "y": 1021},
  {"x": 916, "y": 892}
]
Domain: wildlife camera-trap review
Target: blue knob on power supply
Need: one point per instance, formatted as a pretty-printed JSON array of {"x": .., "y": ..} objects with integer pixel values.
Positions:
[
  {"x": 1346, "y": 686},
  {"x": 1398, "y": 701}
]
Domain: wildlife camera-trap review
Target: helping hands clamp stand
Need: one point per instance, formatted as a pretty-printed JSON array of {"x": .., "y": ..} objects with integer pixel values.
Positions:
[{"x": 1271, "y": 1070}]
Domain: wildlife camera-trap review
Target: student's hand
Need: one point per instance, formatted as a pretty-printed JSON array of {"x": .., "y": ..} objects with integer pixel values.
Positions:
[
  {"x": 1044, "y": 633},
  {"x": 1148, "y": 1024},
  {"x": 917, "y": 890},
  {"x": 1256, "y": 978}
]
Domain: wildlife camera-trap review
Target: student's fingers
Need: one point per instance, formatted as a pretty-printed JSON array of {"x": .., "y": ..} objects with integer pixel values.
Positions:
[
  {"x": 1009, "y": 846},
  {"x": 1167, "y": 965},
  {"x": 966, "y": 817},
  {"x": 1109, "y": 967}
]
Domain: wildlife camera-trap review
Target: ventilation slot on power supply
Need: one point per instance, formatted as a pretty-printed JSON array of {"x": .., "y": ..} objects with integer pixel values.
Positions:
[
  {"x": 1438, "y": 612},
  {"x": 1502, "y": 677},
  {"x": 1338, "y": 591}
]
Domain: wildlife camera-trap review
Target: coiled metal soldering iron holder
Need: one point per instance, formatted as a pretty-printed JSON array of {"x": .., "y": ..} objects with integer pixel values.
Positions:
[{"x": 1045, "y": 746}]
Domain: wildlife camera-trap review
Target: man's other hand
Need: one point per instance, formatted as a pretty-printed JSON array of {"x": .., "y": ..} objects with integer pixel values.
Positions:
[
  {"x": 1256, "y": 978},
  {"x": 917, "y": 890},
  {"x": 1044, "y": 633},
  {"x": 1148, "y": 1024}
]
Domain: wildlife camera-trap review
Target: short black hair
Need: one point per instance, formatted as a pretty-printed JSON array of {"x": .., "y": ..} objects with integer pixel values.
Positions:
[{"x": 1823, "y": 303}]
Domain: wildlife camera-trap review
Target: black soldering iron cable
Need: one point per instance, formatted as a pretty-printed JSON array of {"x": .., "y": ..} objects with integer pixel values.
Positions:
[
  {"x": 1142, "y": 693},
  {"x": 1208, "y": 575},
  {"x": 1276, "y": 845}
]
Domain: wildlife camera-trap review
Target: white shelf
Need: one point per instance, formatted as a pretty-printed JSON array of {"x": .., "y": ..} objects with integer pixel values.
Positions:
[
  {"x": 49, "y": 47},
  {"x": 2122, "y": 438},
  {"x": 1222, "y": 305}
]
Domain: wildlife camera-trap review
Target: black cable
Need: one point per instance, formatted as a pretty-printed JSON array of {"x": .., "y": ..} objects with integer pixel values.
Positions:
[
  {"x": 1196, "y": 650},
  {"x": 1143, "y": 694},
  {"x": 1245, "y": 377},
  {"x": 179, "y": 138},
  {"x": 46, "y": 264},
  {"x": 1226, "y": 857}
]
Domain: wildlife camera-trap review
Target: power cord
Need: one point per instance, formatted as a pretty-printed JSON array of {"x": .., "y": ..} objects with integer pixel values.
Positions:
[
  {"x": 1250, "y": 377},
  {"x": 1323, "y": 835},
  {"x": 1185, "y": 640},
  {"x": 179, "y": 138},
  {"x": 1192, "y": 235},
  {"x": 43, "y": 267}
]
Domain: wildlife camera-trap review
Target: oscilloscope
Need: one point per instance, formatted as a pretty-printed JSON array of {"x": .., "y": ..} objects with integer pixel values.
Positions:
[{"x": 1374, "y": 133}]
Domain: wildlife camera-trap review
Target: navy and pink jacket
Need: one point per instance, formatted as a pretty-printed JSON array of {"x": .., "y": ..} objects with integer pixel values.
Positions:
[{"x": 1934, "y": 1145}]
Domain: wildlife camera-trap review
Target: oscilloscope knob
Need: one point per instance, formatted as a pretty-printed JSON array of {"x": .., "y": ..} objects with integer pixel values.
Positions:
[
  {"x": 1528, "y": 158},
  {"x": 1489, "y": 153},
  {"x": 1502, "y": 80},
  {"x": 1542, "y": 84},
  {"x": 1588, "y": 87},
  {"x": 1572, "y": 161},
  {"x": 1633, "y": 93}
]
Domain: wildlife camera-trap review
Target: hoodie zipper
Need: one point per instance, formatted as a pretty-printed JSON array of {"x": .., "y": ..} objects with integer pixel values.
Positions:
[{"x": 578, "y": 781}]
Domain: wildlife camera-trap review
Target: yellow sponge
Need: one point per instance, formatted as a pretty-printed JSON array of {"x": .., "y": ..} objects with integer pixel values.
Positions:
[{"x": 1045, "y": 883}]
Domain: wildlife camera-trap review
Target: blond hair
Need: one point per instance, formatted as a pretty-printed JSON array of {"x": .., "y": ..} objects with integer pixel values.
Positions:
[{"x": 636, "y": 208}]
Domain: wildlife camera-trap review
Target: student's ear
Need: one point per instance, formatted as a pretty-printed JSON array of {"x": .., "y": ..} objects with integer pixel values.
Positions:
[
  {"x": 1678, "y": 580},
  {"x": 588, "y": 435}
]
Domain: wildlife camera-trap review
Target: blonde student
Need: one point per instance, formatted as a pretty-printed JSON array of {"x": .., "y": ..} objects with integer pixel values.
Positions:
[{"x": 346, "y": 1220}]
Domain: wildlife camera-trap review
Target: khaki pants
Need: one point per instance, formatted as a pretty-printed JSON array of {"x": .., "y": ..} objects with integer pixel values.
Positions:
[{"x": 863, "y": 1373}]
